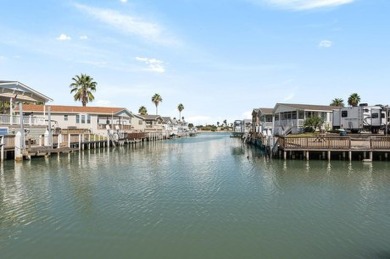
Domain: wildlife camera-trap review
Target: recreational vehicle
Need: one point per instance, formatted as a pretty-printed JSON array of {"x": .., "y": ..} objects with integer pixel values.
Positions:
[{"x": 359, "y": 118}]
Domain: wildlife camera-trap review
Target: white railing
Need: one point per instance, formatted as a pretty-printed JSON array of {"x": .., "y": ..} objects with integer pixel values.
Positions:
[
  {"x": 290, "y": 123},
  {"x": 27, "y": 120}
]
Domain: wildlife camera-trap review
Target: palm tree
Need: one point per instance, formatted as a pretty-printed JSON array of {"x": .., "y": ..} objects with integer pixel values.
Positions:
[
  {"x": 225, "y": 122},
  {"x": 354, "y": 99},
  {"x": 156, "y": 99},
  {"x": 180, "y": 107},
  {"x": 337, "y": 102},
  {"x": 143, "y": 111},
  {"x": 82, "y": 87}
]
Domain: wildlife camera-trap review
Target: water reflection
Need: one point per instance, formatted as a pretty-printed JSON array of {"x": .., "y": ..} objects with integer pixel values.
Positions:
[{"x": 210, "y": 194}]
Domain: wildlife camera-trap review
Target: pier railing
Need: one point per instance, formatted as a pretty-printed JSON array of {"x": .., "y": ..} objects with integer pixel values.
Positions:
[{"x": 334, "y": 143}]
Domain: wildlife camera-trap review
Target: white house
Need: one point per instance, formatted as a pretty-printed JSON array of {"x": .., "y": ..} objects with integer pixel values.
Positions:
[
  {"x": 94, "y": 119},
  {"x": 290, "y": 117}
]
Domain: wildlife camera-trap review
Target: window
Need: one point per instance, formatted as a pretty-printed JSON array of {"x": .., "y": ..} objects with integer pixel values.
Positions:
[
  {"x": 375, "y": 115},
  {"x": 140, "y": 122},
  {"x": 88, "y": 119},
  {"x": 83, "y": 119},
  {"x": 77, "y": 118},
  {"x": 301, "y": 115},
  {"x": 65, "y": 117},
  {"x": 344, "y": 114}
]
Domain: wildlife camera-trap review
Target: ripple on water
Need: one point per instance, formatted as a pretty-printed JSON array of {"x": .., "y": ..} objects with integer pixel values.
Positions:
[{"x": 209, "y": 195}]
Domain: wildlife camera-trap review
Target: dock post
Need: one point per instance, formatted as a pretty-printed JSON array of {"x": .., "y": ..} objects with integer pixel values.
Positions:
[
  {"x": 2, "y": 148},
  {"x": 350, "y": 155},
  {"x": 69, "y": 140},
  {"x": 329, "y": 155},
  {"x": 307, "y": 155},
  {"x": 79, "y": 141},
  {"x": 59, "y": 140},
  {"x": 371, "y": 155},
  {"x": 18, "y": 147},
  {"x": 46, "y": 139},
  {"x": 285, "y": 155},
  {"x": 89, "y": 141}
]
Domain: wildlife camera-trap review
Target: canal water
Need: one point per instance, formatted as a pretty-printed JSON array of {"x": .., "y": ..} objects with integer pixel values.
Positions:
[{"x": 203, "y": 197}]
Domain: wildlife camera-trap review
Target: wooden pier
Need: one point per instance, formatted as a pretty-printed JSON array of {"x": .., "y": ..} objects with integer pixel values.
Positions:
[
  {"x": 364, "y": 148},
  {"x": 66, "y": 143}
]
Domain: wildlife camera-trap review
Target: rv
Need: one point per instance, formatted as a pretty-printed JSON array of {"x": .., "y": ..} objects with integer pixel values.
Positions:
[{"x": 359, "y": 118}]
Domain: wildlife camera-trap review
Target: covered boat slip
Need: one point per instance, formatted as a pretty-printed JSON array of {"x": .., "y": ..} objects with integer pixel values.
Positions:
[
  {"x": 13, "y": 93},
  {"x": 366, "y": 148}
]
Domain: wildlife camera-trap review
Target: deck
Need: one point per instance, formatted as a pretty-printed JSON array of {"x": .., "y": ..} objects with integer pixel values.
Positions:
[
  {"x": 66, "y": 143},
  {"x": 365, "y": 146}
]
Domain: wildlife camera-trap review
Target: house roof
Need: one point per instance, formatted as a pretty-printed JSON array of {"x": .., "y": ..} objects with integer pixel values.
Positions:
[
  {"x": 76, "y": 109},
  {"x": 152, "y": 117},
  {"x": 20, "y": 92},
  {"x": 167, "y": 119},
  {"x": 305, "y": 107},
  {"x": 266, "y": 111}
]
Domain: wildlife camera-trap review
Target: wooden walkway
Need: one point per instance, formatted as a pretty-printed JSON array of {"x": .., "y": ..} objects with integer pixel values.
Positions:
[
  {"x": 68, "y": 143},
  {"x": 366, "y": 147}
]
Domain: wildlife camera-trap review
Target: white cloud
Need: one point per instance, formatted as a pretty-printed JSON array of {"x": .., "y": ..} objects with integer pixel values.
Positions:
[
  {"x": 325, "y": 44},
  {"x": 150, "y": 31},
  {"x": 304, "y": 4},
  {"x": 154, "y": 65},
  {"x": 123, "y": 1},
  {"x": 63, "y": 37},
  {"x": 83, "y": 37}
]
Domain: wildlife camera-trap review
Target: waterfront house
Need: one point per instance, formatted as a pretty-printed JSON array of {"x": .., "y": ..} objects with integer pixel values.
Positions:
[
  {"x": 168, "y": 126},
  {"x": 93, "y": 119},
  {"x": 153, "y": 123},
  {"x": 262, "y": 121},
  {"x": 290, "y": 117},
  {"x": 12, "y": 93}
]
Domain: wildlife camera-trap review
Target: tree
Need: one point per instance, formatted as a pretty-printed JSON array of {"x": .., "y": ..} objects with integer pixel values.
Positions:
[
  {"x": 143, "y": 111},
  {"x": 225, "y": 122},
  {"x": 190, "y": 125},
  {"x": 313, "y": 122},
  {"x": 354, "y": 99},
  {"x": 82, "y": 87},
  {"x": 180, "y": 107},
  {"x": 217, "y": 123},
  {"x": 156, "y": 99},
  {"x": 337, "y": 102}
]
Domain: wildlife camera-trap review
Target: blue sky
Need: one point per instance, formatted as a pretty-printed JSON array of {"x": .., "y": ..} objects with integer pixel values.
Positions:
[{"x": 219, "y": 58}]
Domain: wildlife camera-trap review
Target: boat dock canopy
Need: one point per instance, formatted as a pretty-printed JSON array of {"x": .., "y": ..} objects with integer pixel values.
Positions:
[{"x": 20, "y": 92}]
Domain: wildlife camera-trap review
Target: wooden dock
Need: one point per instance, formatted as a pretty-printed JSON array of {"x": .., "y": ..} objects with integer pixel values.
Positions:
[
  {"x": 365, "y": 148},
  {"x": 67, "y": 143}
]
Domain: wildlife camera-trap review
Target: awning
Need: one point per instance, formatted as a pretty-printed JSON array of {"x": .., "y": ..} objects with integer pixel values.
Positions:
[{"x": 20, "y": 92}]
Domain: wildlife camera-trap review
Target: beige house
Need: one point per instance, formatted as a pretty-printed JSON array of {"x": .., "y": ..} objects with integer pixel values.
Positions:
[
  {"x": 262, "y": 121},
  {"x": 94, "y": 119},
  {"x": 153, "y": 123},
  {"x": 289, "y": 117}
]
